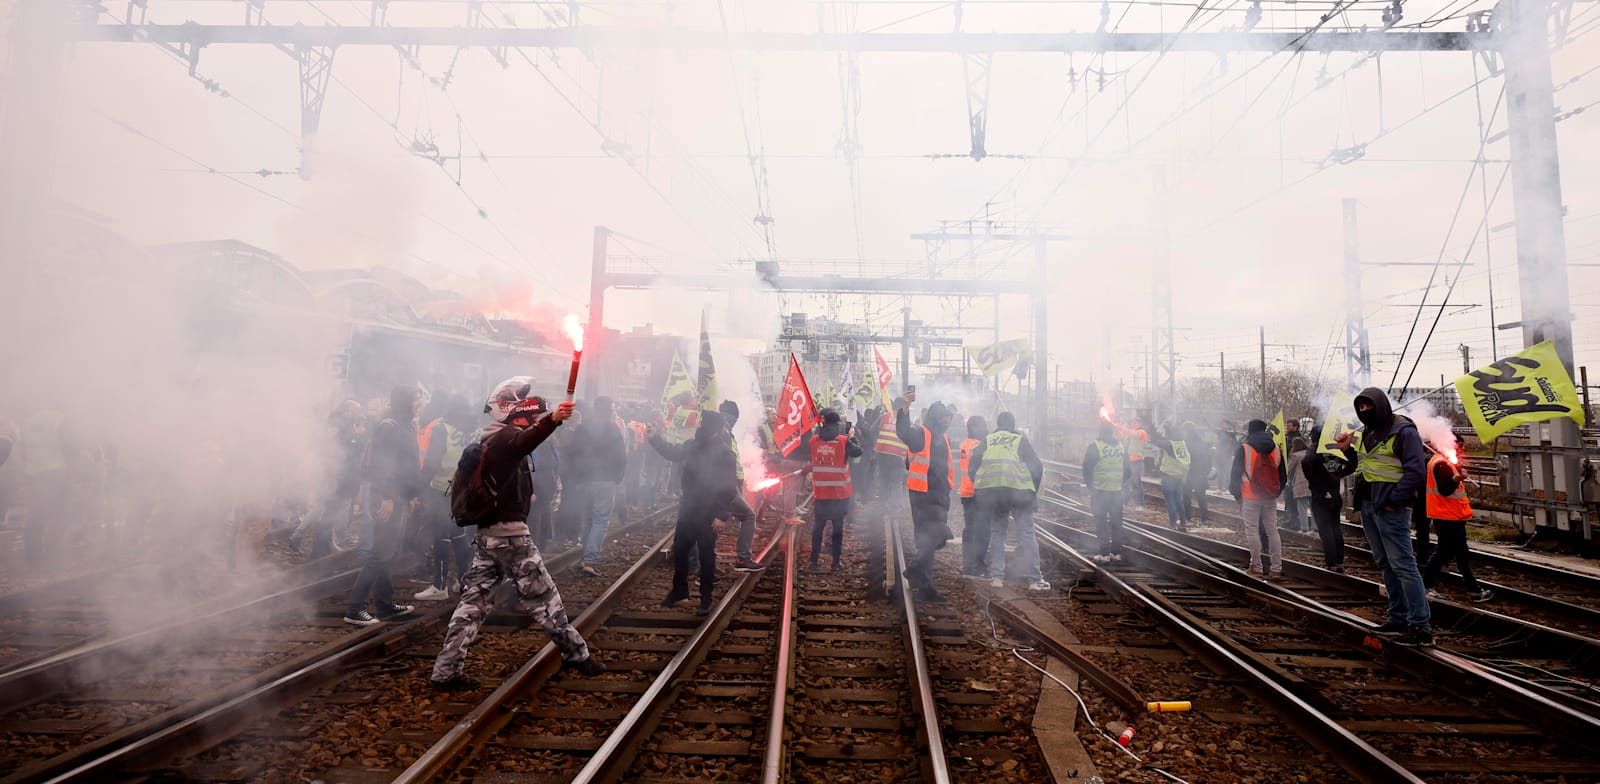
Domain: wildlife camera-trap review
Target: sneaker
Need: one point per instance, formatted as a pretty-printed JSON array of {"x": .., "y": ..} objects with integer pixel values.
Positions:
[
  {"x": 1277, "y": 576},
  {"x": 1415, "y": 635},
  {"x": 1434, "y": 596},
  {"x": 1482, "y": 596},
  {"x": 836, "y": 566},
  {"x": 1336, "y": 568},
  {"x": 588, "y": 668},
  {"x": 1102, "y": 559},
  {"x": 1116, "y": 557},
  {"x": 362, "y": 618},
  {"x": 458, "y": 683},
  {"x": 432, "y": 594},
  {"x": 704, "y": 609},
  {"x": 674, "y": 598},
  {"x": 997, "y": 583},
  {"x": 815, "y": 567},
  {"x": 1255, "y": 571},
  {"x": 1390, "y": 629},
  {"x": 1039, "y": 585},
  {"x": 747, "y": 565},
  {"x": 396, "y": 611}
]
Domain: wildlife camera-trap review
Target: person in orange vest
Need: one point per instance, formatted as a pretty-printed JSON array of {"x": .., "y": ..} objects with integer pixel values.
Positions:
[
  {"x": 1258, "y": 477},
  {"x": 1135, "y": 437},
  {"x": 829, "y": 450},
  {"x": 1450, "y": 510},
  {"x": 930, "y": 477},
  {"x": 974, "y": 526}
]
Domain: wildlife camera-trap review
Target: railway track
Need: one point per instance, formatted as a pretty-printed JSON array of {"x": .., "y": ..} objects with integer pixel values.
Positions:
[
  {"x": 156, "y": 698},
  {"x": 1384, "y": 712}
]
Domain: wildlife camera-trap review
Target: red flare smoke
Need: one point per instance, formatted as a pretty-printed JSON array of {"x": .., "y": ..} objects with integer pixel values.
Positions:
[
  {"x": 574, "y": 330},
  {"x": 767, "y": 483},
  {"x": 1105, "y": 414}
]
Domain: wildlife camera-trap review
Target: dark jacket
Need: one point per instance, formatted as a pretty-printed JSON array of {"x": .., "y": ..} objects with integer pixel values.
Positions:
[
  {"x": 1201, "y": 453},
  {"x": 351, "y": 448},
  {"x": 394, "y": 463},
  {"x": 505, "y": 456},
  {"x": 1029, "y": 457},
  {"x": 1407, "y": 446},
  {"x": 598, "y": 453},
  {"x": 938, "y": 453},
  {"x": 547, "y": 454},
  {"x": 709, "y": 480},
  {"x": 1261, "y": 441},
  {"x": 1324, "y": 484}
]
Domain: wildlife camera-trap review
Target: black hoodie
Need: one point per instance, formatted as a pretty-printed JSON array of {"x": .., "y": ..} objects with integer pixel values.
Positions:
[
  {"x": 1407, "y": 446},
  {"x": 710, "y": 481},
  {"x": 1261, "y": 441}
]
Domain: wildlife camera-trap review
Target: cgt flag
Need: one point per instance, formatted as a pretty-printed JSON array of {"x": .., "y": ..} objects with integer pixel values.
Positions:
[
  {"x": 707, "y": 371},
  {"x": 1532, "y": 386},
  {"x": 998, "y": 358},
  {"x": 884, "y": 377},
  {"x": 797, "y": 413}
]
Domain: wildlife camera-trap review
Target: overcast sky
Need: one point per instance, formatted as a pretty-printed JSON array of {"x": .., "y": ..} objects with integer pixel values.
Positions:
[{"x": 1248, "y": 142}]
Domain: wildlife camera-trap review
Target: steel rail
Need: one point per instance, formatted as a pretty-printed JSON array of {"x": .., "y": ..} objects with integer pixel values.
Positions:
[
  {"x": 483, "y": 721},
  {"x": 610, "y": 762},
  {"x": 1357, "y": 757},
  {"x": 936, "y": 769},
  {"x": 1557, "y": 716},
  {"x": 217, "y": 717},
  {"x": 773, "y": 769}
]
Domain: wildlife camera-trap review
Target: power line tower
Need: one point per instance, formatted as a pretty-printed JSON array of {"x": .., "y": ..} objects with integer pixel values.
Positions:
[
  {"x": 1165, "y": 358},
  {"x": 1357, "y": 354}
]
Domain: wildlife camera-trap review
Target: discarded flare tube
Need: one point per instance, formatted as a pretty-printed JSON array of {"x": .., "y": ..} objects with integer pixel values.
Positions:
[{"x": 1167, "y": 707}]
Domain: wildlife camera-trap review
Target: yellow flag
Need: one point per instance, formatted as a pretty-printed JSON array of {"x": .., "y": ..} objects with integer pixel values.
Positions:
[
  {"x": 1340, "y": 419},
  {"x": 1532, "y": 386},
  {"x": 678, "y": 409},
  {"x": 1277, "y": 433},
  {"x": 708, "y": 370},
  {"x": 998, "y": 358}
]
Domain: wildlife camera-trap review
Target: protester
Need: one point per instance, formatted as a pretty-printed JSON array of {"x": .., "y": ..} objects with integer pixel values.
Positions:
[
  {"x": 1173, "y": 463},
  {"x": 1258, "y": 476},
  {"x": 394, "y": 469},
  {"x": 1105, "y": 469},
  {"x": 739, "y": 509},
  {"x": 1448, "y": 507},
  {"x": 974, "y": 525},
  {"x": 1325, "y": 501},
  {"x": 1297, "y": 494},
  {"x": 1202, "y": 455},
  {"x": 709, "y": 485},
  {"x": 599, "y": 457},
  {"x": 930, "y": 477},
  {"x": 1007, "y": 474},
  {"x": 829, "y": 451}
]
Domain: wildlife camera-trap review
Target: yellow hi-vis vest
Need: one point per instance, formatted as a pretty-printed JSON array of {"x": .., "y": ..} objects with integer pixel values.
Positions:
[
  {"x": 1175, "y": 463},
  {"x": 738, "y": 465},
  {"x": 455, "y": 442},
  {"x": 1107, "y": 475},
  {"x": 1002, "y": 463},
  {"x": 1381, "y": 464},
  {"x": 41, "y": 443}
]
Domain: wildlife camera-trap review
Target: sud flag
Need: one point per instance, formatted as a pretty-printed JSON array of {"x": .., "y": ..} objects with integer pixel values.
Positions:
[
  {"x": 866, "y": 393},
  {"x": 678, "y": 410},
  {"x": 1532, "y": 386},
  {"x": 1278, "y": 435},
  {"x": 1340, "y": 419},
  {"x": 797, "y": 412},
  {"x": 708, "y": 371},
  {"x": 998, "y": 358}
]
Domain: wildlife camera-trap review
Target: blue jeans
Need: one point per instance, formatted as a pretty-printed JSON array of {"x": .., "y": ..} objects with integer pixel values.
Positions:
[
  {"x": 601, "y": 495},
  {"x": 999, "y": 504},
  {"x": 1172, "y": 491},
  {"x": 1389, "y": 533}
]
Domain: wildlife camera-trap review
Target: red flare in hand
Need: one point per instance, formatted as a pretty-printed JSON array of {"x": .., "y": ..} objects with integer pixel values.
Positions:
[
  {"x": 1105, "y": 414},
  {"x": 574, "y": 330},
  {"x": 767, "y": 483}
]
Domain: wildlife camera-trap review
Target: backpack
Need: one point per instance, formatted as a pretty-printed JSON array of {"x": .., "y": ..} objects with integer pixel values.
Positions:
[
  {"x": 1263, "y": 473},
  {"x": 474, "y": 495}
]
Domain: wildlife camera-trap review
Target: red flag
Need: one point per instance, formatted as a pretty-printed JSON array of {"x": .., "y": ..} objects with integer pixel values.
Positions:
[
  {"x": 797, "y": 413},
  {"x": 884, "y": 377}
]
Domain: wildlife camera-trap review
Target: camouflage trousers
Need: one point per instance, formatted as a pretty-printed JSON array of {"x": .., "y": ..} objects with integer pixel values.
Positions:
[{"x": 514, "y": 558}]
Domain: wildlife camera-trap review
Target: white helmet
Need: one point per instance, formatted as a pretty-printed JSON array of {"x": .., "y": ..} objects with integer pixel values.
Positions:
[{"x": 513, "y": 396}]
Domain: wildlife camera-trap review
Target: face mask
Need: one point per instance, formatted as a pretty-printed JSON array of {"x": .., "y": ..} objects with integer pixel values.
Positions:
[{"x": 1368, "y": 417}]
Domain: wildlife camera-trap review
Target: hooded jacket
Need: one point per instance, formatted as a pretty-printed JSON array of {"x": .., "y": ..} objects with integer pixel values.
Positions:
[
  {"x": 505, "y": 454},
  {"x": 1407, "y": 446},
  {"x": 938, "y": 452},
  {"x": 710, "y": 481},
  {"x": 1261, "y": 441}
]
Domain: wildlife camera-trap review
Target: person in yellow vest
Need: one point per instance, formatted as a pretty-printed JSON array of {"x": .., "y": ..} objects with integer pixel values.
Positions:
[
  {"x": 1172, "y": 461},
  {"x": 1007, "y": 473},
  {"x": 1105, "y": 469},
  {"x": 974, "y": 527},
  {"x": 1450, "y": 511},
  {"x": 930, "y": 478},
  {"x": 441, "y": 441},
  {"x": 1259, "y": 473},
  {"x": 1392, "y": 467}
]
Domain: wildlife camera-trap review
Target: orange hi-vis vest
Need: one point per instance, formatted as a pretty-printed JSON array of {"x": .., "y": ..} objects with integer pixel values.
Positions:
[
  {"x": 1245, "y": 487},
  {"x": 967, "y": 489},
  {"x": 1446, "y": 507},
  {"x": 917, "y": 475},
  {"x": 424, "y": 438},
  {"x": 830, "y": 469}
]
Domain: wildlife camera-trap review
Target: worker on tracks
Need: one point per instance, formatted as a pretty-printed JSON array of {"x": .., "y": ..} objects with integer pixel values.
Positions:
[
  {"x": 1105, "y": 469},
  {"x": 739, "y": 508},
  {"x": 930, "y": 478},
  {"x": 1449, "y": 509},
  {"x": 599, "y": 460},
  {"x": 974, "y": 526},
  {"x": 709, "y": 483},
  {"x": 1391, "y": 468},
  {"x": 394, "y": 471},
  {"x": 1134, "y": 440},
  {"x": 1258, "y": 477},
  {"x": 1172, "y": 461},
  {"x": 441, "y": 441},
  {"x": 830, "y": 450},
  {"x": 490, "y": 490},
  {"x": 1007, "y": 474},
  {"x": 891, "y": 458}
]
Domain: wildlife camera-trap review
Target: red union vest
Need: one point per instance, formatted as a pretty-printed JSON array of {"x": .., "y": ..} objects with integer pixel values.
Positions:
[
  {"x": 830, "y": 470},
  {"x": 1446, "y": 507}
]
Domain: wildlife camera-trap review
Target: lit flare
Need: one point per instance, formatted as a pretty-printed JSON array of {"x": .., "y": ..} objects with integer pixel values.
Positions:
[
  {"x": 767, "y": 483},
  {"x": 574, "y": 330}
]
